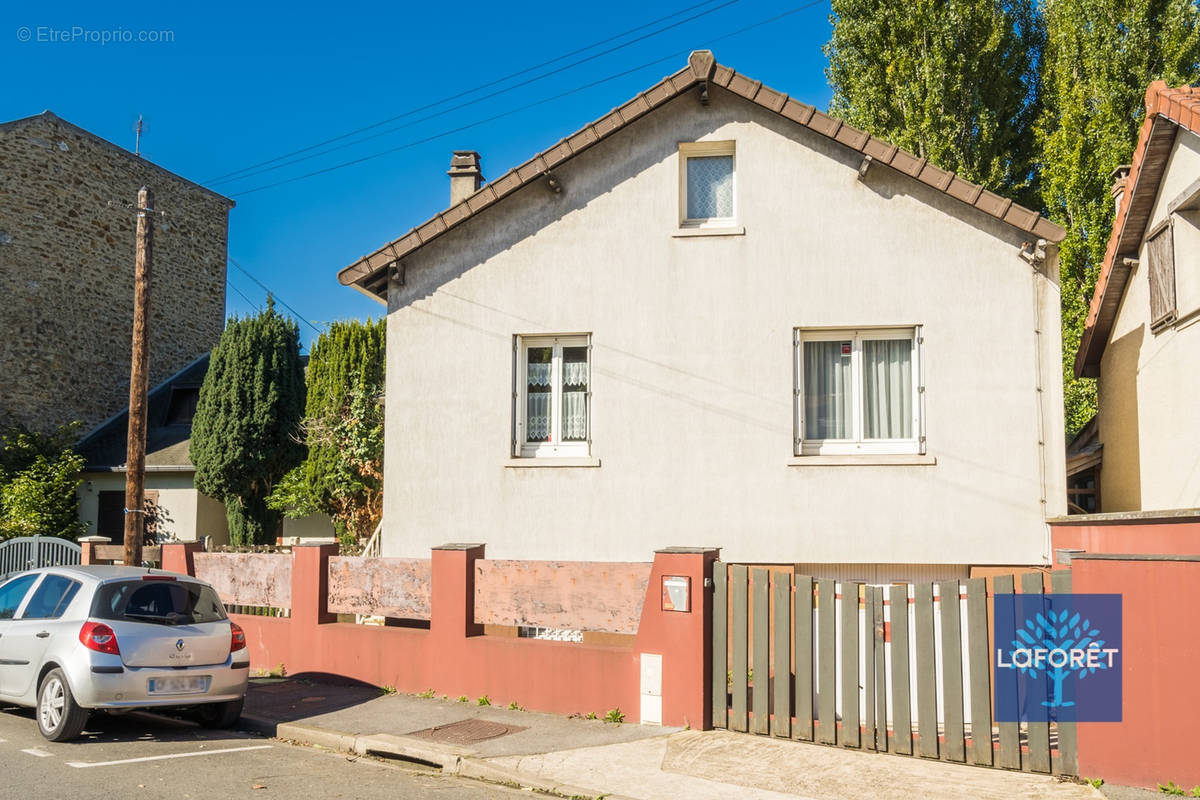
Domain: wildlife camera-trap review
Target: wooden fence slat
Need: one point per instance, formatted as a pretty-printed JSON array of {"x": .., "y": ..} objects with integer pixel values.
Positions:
[
  {"x": 1038, "y": 732},
  {"x": 781, "y": 611},
  {"x": 927, "y": 725},
  {"x": 869, "y": 667},
  {"x": 802, "y": 642},
  {"x": 901, "y": 693},
  {"x": 980, "y": 666},
  {"x": 1009, "y": 754},
  {"x": 826, "y": 663},
  {"x": 740, "y": 625},
  {"x": 1068, "y": 741},
  {"x": 761, "y": 585},
  {"x": 851, "y": 733},
  {"x": 952, "y": 677},
  {"x": 720, "y": 646},
  {"x": 881, "y": 698}
]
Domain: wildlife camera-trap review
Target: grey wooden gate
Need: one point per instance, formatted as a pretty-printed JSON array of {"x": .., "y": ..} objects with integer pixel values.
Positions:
[
  {"x": 31, "y": 552},
  {"x": 785, "y": 645}
]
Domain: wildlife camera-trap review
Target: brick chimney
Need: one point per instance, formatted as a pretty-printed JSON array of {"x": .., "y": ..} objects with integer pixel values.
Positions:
[
  {"x": 465, "y": 175},
  {"x": 1120, "y": 176}
]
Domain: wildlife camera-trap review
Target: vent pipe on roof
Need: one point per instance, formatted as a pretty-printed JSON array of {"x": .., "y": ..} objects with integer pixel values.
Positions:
[
  {"x": 1120, "y": 176},
  {"x": 465, "y": 175}
]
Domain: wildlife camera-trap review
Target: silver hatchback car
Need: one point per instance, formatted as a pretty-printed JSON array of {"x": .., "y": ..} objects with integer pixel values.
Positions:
[{"x": 76, "y": 639}]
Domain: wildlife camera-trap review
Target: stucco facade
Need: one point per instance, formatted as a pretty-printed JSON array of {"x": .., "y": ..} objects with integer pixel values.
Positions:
[
  {"x": 692, "y": 374},
  {"x": 66, "y": 272},
  {"x": 1149, "y": 380}
]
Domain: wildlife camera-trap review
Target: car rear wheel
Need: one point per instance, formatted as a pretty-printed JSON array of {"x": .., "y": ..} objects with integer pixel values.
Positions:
[
  {"x": 219, "y": 715},
  {"x": 59, "y": 717}
]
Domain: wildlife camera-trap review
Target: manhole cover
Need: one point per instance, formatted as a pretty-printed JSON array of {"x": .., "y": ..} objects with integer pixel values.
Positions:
[{"x": 467, "y": 731}]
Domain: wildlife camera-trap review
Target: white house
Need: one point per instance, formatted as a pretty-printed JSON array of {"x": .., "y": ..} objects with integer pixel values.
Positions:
[{"x": 716, "y": 316}]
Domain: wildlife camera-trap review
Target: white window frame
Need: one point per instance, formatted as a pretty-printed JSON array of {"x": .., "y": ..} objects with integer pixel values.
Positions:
[
  {"x": 555, "y": 448},
  {"x": 699, "y": 150},
  {"x": 856, "y": 444}
]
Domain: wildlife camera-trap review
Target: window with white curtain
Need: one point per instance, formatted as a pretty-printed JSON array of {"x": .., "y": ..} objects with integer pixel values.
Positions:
[
  {"x": 706, "y": 182},
  {"x": 858, "y": 391},
  {"x": 553, "y": 395}
]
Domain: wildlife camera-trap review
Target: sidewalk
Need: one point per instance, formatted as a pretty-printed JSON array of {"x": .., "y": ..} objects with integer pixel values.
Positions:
[{"x": 588, "y": 758}]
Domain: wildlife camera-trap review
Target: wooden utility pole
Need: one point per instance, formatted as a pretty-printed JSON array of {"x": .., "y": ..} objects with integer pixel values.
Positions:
[{"x": 135, "y": 458}]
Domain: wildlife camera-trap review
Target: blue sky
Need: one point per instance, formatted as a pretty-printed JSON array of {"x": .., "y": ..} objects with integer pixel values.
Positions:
[{"x": 242, "y": 83}]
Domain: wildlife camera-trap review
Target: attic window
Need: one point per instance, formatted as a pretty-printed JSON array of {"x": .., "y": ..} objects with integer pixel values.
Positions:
[
  {"x": 706, "y": 184},
  {"x": 182, "y": 406},
  {"x": 1160, "y": 252}
]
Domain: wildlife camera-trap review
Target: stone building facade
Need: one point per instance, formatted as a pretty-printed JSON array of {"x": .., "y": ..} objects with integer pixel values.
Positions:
[{"x": 67, "y": 266}]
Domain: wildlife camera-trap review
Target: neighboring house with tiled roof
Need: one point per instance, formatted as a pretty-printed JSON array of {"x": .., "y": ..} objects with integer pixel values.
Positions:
[
  {"x": 717, "y": 316},
  {"x": 1141, "y": 339},
  {"x": 182, "y": 512}
]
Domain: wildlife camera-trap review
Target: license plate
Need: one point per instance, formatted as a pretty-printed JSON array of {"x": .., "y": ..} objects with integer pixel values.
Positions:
[{"x": 188, "y": 685}]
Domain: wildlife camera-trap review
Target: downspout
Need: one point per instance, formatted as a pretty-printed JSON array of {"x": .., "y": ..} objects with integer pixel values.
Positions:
[{"x": 1035, "y": 254}]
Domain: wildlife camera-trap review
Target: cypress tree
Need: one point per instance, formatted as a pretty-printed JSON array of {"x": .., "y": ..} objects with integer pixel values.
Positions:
[
  {"x": 247, "y": 420},
  {"x": 954, "y": 81},
  {"x": 1100, "y": 57}
]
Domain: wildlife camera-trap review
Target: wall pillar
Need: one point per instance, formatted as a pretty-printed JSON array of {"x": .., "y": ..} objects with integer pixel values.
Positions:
[
  {"x": 87, "y": 548},
  {"x": 452, "y": 596},
  {"x": 682, "y": 638},
  {"x": 310, "y": 584},
  {"x": 177, "y": 557}
]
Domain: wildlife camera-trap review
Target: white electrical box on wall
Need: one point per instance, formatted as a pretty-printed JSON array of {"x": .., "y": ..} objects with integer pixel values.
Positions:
[{"x": 651, "y": 689}]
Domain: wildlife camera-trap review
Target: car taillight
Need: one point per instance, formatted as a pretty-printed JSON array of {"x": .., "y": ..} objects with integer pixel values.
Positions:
[
  {"x": 237, "y": 638},
  {"x": 99, "y": 637}
]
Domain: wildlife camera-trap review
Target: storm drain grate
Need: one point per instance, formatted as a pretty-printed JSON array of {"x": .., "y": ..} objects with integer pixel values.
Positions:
[{"x": 467, "y": 731}]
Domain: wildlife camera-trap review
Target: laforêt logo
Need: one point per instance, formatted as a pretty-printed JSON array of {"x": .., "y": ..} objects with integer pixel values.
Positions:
[{"x": 1058, "y": 657}]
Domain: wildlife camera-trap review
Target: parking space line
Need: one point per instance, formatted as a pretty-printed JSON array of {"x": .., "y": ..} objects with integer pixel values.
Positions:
[
  {"x": 87, "y": 764},
  {"x": 33, "y": 751}
]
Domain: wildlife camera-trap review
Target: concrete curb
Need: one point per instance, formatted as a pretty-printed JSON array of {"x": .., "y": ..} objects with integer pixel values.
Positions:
[{"x": 452, "y": 761}]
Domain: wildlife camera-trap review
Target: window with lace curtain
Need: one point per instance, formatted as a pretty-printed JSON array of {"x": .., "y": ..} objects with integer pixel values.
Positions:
[
  {"x": 553, "y": 395},
  {"x": 858, "y": 391},
  {"x": 706, "y": 184}
]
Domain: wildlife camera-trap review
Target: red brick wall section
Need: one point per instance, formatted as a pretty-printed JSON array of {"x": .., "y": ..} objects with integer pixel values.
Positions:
[
  {"x": 454, "y": 658},
  {"x": 1156, "y": 740}
]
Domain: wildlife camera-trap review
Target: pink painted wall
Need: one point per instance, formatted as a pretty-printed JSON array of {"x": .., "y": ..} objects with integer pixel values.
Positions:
[
  {"x": 579, "y": 595},
  {"x": 388, "y": 587},
  {"x": 1177, "y": 538},
  {"x": 1156, "y": 740},
  {"x": 249, "y": 579},
  {"x": 453, "y": 657}
]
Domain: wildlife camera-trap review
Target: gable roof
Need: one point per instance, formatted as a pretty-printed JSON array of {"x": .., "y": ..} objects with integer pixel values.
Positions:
[
  {"x": 1167, "y": 110},
  {"x": 370, "y": 272},
  {"x": 166, "y": 444},
  {"x": 49, "y": 117}
]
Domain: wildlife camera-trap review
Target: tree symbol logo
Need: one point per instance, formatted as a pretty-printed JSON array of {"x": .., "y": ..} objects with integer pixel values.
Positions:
[{"x": 1059, "y": 647}]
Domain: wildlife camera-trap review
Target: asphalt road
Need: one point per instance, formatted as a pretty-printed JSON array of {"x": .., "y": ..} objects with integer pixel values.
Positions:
[{"x": 145, "y": 756}]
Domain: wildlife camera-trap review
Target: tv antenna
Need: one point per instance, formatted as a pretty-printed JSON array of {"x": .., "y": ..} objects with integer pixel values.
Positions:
[{"x": 139, "y": 128}]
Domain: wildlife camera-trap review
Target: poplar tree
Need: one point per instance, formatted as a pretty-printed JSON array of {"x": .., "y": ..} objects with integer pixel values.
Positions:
[
  {"x": 244, "y": 433},
  {"x": 1100, "y": 57},
  {"x": 953, "y": 81}
]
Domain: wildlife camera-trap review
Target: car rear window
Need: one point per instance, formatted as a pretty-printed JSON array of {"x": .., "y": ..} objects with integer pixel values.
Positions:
[{"x": 161, "y": 602}]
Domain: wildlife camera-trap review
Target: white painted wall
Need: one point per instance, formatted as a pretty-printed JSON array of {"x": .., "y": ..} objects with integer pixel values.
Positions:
[
  {"x": 176, "y": 496},
  {"x": 1149, "y": 382},
  {"x": 692, "y": 373}
]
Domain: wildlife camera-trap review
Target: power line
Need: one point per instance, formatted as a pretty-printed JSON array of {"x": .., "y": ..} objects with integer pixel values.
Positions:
[
  {"x": 273, "y": 294},
  {"x": 251, "y": 171},
  {"x": 481, "y": 87},
  {"x": 240, "y": 293},
  {"x": 526, "y": 107}
]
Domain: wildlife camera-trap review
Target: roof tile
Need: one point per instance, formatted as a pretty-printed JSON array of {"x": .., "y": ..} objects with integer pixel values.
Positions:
[
  {"x": 993, "y": 203},
  {"x": 771, "y": 99},
  {"x": 722, "y": 75},
  {"x": 824, "y": 124},
  {"x": 797, "y": 111},
  {"x": 907, "y": 163},
  {"x": 879, "y": 149},
  {"x": 744, "y": 86},
  {"x": 936, "y": 177},
  {"x": 963, "y": 190},
  {"x": 852, "y": 137}
]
